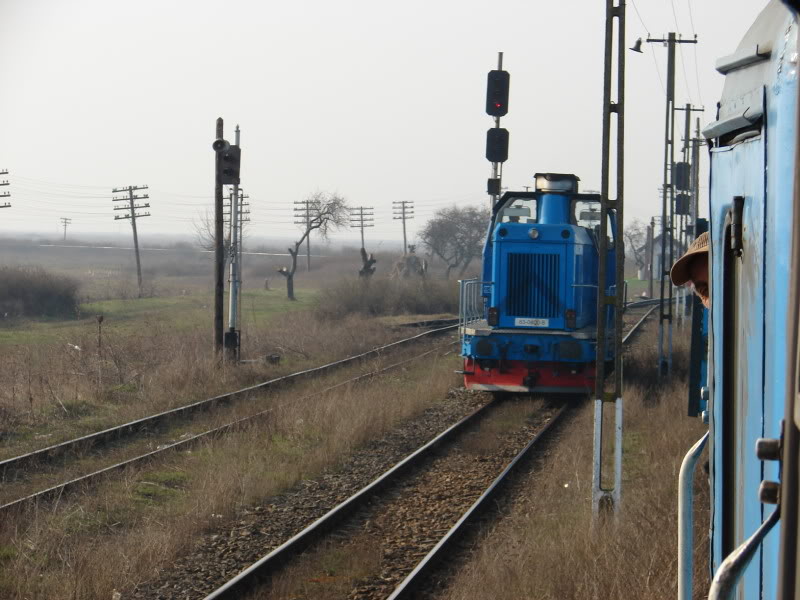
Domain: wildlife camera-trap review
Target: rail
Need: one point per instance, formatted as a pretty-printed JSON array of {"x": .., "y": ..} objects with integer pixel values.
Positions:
[
  {"x": 60, "y": 489},
  {"x": 118, "y": 431},
  {"x": 262, "y": 570}
]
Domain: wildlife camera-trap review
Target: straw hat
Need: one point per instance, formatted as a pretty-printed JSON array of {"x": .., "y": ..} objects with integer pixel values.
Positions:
[{"x": 680, "y": 270}]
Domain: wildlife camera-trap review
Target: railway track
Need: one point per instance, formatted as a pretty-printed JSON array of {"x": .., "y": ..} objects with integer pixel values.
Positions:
[
  {"x": 404, "y": 580},
  {"x": 18, "y": 465}
]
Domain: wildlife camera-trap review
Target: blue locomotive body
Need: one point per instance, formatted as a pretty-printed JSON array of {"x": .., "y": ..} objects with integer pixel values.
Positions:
[
  {"x": 753, "y": 153},
  {"x": 530, "y": 324}
]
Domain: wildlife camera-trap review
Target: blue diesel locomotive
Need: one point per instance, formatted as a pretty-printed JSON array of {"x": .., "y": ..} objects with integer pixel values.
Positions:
[{"x": 530, "y": 323}]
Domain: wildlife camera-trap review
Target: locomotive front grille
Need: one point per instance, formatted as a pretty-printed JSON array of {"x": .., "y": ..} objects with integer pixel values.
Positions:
[{"x": 533, "y": 286}]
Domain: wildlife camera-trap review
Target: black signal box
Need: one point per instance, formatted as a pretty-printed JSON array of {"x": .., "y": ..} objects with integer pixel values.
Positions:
[
  {"x": 497, "y": 145},
  {"x": 497, "y": 85}
]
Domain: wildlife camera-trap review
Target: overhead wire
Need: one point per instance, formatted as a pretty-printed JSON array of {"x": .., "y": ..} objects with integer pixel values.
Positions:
[
  {"x": 683, "y": 58},
  {"x": 694, "y": 49},
  {"x": 652, "y": 53}
]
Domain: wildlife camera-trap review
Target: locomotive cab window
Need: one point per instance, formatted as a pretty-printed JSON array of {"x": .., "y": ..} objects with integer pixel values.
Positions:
[
  {"x": 518, "y": 210},
  {"x": 586, "y": 213}
]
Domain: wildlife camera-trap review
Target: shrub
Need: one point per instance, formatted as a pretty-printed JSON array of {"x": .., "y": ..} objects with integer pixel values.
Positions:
[
  {"x": 381, "y": 296},
  {"x": 35, "y": 292}
]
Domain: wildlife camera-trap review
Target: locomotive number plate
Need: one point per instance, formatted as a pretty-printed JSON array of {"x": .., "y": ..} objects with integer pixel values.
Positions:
[{"x": 523, "y": 322}]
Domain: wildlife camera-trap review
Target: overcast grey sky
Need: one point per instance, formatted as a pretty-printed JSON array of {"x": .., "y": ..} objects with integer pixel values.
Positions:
[{"x": 376, "y": 101}]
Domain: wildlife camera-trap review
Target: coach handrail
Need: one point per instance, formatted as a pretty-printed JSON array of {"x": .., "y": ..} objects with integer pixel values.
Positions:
[
  {"x": 685, "y": 518},
  {"x": 730, "y": 571}
]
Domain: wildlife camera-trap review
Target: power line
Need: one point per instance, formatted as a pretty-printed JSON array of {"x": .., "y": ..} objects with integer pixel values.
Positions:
[
  {"x": 694, "y": 49},
  {"x": 680, "y": 50}
]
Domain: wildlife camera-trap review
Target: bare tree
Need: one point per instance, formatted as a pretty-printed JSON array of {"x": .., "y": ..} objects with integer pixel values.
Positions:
[
  {"x": 456, "y": 235},
  {"x": 326, "y": 212},
  {"x": 636, "y": 242},
  {"x": 204, "y": 233}
]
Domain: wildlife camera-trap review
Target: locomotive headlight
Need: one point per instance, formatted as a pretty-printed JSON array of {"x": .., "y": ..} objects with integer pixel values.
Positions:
[
  {"x": 493, "y": 316},
  {"x": 533, "y": 233}
]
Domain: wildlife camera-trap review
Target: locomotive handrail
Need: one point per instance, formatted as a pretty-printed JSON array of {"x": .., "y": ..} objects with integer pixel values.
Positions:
[
  {"x": 730, "y": 571},
  {"x": 685, "y": 518}
]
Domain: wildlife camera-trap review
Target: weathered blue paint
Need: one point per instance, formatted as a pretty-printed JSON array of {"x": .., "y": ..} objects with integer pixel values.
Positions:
[{"x": 759, "y": 166}]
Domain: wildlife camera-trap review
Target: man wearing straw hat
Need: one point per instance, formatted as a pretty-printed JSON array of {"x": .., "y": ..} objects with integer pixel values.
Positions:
[{"x": 692, "y": 268}]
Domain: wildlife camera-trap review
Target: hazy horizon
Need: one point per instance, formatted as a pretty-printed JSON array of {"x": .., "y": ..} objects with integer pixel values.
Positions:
[{"x": 377, "y": 103}]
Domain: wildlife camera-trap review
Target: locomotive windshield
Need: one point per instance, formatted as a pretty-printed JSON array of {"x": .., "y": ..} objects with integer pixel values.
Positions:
[
  {"x": 586, "y": 213},
  {"x": 518, "y": 210}
]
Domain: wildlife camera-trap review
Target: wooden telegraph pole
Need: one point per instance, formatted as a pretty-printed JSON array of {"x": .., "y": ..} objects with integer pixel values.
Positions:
[
  {"x": 403, "y": 211},
  {"x": 132, "y": 215},
  {"x": 4, "y": 194}
]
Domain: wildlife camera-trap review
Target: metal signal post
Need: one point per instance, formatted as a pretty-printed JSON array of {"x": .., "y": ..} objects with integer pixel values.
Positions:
[
  {"x": 227, "y": 160},
  {"x": 606, "y": 299},
  {"x": 497, "y": 93}
]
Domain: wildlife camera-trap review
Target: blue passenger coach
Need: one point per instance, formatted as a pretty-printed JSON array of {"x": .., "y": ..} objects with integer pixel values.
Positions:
[{"x": 753, "y": 152}]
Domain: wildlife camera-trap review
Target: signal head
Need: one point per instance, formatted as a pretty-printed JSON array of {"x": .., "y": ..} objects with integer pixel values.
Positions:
[{"x": 220, "y": 145}]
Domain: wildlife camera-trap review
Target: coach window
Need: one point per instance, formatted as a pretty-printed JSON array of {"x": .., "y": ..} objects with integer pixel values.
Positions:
[
  {"x": 732, "y": 392},
  {"x": 518, "y": 210}
]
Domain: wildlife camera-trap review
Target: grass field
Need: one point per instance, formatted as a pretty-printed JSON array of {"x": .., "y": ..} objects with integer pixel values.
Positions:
[{"x": 176, "y": 313}]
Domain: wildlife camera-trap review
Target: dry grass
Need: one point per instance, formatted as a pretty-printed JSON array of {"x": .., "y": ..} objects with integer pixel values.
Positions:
[
  {"x": 547, "y": 547},
  {"x": 121, "y": 533},
  {"x": 383, "y": 296},
  {"x": 53, "y": 392}
]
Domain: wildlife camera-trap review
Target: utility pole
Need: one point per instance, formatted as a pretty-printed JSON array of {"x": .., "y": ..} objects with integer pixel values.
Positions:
[
  {"x": 668, "y": 202},
  {"x": 403, "y": 210},
  {"x": 232, "y": 344},
  {"x": 244, "y": 217},
  {"x": 235, "y": 247},
  {"x": 697, "y": 141},
  {"x": 131, "y": 214},
  {"x": 65, "y": 222},
  {"x": 650, "y": 251},
  {"x": 4, "y": 194},
  {"x": 602, "y": 497},
  {"x": 302, "y": 215},
  {"x": 361, "y": 219},
  {"x": 684, "y": 184},
  {"x": 219, "y": 146}
]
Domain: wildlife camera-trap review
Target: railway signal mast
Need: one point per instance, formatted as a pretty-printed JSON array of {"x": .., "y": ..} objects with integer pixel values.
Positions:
[
  {"x": 497, "y": 92},
  {"x": 227, "y": 165},
  {"x": 609, "y": 498}
]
